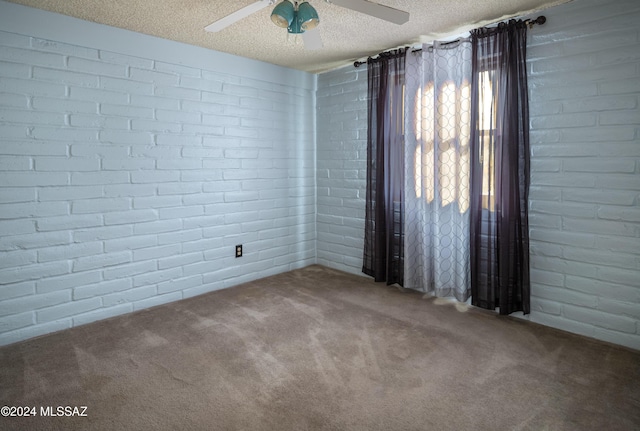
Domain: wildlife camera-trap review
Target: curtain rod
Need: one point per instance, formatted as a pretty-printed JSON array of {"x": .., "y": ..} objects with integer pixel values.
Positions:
[{"x": 530, "y": 22}]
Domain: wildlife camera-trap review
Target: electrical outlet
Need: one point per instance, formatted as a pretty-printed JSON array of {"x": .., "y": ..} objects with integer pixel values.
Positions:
[{"x": 239, "y": 250}]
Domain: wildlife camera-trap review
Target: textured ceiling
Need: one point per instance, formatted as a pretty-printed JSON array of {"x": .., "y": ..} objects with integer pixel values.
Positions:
[{"x": 347, "y": 35}]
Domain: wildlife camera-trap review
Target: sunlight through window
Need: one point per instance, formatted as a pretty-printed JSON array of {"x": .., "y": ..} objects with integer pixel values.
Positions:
[
  {"x": 449, "y": 115},
  {"x": 487, "y": 117}
]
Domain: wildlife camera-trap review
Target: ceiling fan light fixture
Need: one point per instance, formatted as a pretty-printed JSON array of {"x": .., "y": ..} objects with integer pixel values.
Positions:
[
  {"x": 307, "y": 16},
  {"x": 295, "y": 27},
  {"x": 283, "y": 14}
]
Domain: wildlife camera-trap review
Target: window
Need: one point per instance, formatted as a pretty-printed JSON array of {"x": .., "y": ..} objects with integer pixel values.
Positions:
[
  {"x": 448, "y": 127},
  {"x": 442, "y": 173},
  {"x": 487, "y": 120}
]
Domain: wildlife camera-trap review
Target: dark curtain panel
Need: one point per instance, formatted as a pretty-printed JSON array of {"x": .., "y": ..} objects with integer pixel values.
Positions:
[
  {"x": 500, "y": 169},
  {"x": 383, "y": 236}
]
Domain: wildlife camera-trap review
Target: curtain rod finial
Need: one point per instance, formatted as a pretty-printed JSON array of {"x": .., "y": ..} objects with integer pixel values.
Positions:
[{"x": 540, "y": 20}]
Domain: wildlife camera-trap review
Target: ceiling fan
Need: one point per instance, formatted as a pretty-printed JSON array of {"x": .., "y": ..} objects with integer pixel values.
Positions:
[{"x": 302, "y": 18}]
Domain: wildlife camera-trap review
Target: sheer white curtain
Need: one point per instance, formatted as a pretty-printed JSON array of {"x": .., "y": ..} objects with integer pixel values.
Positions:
[{"x": 437, "y": 169}]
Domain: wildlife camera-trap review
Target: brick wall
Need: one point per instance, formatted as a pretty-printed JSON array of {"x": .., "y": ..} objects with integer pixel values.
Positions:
[
  {"x": 341, "y": 167},
  {"x": 584, "y": 69},
  {"x": 584, "y": 81},
  {"x": 126, "y": 182}
]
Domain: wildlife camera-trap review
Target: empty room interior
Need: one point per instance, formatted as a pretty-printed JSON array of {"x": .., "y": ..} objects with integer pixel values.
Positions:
[{"x": 320, "y": 215}]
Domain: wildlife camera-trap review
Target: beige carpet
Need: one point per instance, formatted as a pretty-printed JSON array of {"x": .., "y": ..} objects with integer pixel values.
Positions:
[{"x": 317, "y": 349}]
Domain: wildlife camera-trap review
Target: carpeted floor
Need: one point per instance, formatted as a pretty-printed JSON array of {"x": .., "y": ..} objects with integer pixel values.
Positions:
[{"x": 318, "y": 349}]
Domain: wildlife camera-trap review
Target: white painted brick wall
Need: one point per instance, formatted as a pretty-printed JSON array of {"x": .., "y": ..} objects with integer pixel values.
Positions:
[
  {"x": 126, "y": 182},
  {"x": 584, "y": 66}
]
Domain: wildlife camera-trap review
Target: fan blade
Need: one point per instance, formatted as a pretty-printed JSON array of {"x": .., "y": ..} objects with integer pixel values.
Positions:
[
  {"x": 237, "y": 16},
  {"x": 376, "y": 10},
  {"x": 312, "y": 40}
]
